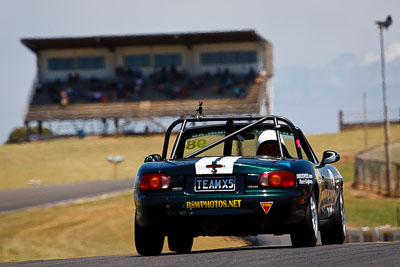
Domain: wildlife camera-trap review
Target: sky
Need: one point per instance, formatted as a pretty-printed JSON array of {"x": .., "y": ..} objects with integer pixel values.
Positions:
[{"x": 326, "y": 53}]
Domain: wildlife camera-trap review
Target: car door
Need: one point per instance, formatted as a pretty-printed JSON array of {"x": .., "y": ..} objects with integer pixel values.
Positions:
[{"x": 328, "y": 180}]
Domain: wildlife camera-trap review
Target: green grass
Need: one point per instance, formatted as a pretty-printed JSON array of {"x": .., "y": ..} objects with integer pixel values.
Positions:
[
  {"x": 366, "y": 209},
  {"x": 98, "y": 228},
  {"x": 73, "y": 160}
]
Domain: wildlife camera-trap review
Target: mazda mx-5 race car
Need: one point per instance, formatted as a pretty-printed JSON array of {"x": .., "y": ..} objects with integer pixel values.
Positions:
[{"x": 237, "y": 176}]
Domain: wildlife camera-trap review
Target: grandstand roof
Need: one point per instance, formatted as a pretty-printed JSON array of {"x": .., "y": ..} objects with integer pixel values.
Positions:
[{"x": 112, "y": 41}]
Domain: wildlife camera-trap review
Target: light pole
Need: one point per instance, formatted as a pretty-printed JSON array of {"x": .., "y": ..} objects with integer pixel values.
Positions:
[{"x": 385, "y": 25}]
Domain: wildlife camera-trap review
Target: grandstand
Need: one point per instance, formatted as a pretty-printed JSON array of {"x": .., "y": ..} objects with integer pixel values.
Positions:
[{"x": 120, "y": 80}]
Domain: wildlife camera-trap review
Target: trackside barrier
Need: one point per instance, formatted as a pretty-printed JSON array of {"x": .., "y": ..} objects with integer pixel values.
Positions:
[
  {"x": 370, "y": 172},
  {"x": 377, "y": 234}
]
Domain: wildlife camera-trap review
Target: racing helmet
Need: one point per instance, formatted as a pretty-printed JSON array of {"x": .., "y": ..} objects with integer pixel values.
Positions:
[{"x": 268, "y": 145}]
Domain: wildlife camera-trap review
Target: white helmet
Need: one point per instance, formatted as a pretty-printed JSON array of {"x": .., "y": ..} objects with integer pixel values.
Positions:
[{"x": 269, "y": 135}]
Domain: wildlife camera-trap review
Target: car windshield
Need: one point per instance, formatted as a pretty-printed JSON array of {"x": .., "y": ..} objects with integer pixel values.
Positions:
[{"x": 258, "y": 141}]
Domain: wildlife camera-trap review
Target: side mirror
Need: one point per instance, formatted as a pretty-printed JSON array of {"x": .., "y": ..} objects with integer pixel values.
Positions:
[
  {"x": 329, "y": 157},
  {"x": 153, "y": 158}
]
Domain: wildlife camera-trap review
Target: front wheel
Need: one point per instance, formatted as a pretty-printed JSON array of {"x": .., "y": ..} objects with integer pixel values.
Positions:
[
  {"x": 149, "y": 240},
  {"x": 306, "y": 234},
  {"x": 336, "y": 232}
]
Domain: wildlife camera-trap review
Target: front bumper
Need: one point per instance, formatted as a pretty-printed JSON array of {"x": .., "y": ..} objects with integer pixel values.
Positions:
[{"x": 222, "y": 214}]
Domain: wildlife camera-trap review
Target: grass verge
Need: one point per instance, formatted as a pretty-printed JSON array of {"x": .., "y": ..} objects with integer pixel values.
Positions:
[
  {"x": 365, "y": 208},
  {"x": 73, "y": 160}
]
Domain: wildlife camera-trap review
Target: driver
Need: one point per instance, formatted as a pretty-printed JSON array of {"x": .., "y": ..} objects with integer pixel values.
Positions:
[{"x": 267, "y": 144}]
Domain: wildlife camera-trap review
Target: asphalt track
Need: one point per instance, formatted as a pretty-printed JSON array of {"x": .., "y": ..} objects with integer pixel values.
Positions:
[
  {"x": 24, "y": 198},
  {"x": 359, "y": 254}
]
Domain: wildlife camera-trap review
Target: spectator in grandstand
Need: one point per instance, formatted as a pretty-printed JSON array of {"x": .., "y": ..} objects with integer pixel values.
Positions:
[
  {"x": 70, "y": 94},
  {"x": 139, "y": 83},
  {"x": 137, "y": 73},
  {"x": 114, "y": 94},
  {"x": 73, "y": 77},
  {"x": 258, "y": 79},
  {"x": 97, "y": 95},
  {"x": 120, "y": 90},
  {"x": 94, "y": 82},
  {"x": 76, "y": 93},
  {"x": 161, "y": 88},
  {"x": 177, "y": 92},
  {"x": 197, "y": 84},
  {"x": 104, "y": 98},
  {"x": 38, "y": 88},
  {"x": 218, "y": 89},
  {"x": 119, "y": 71},
  {"x": 184, "y": 92},
  {"x": 129, "y": 72},
  {"x": 54, "y": 94},
  {"x": 94, "y": 96},
  {"x": 226, "y": 73},
  {"x": 63, "y": 98},
  {"x": 207, "y": 76},
  {"x": 239, "y": 92},
  {"x": 173, "y": 73},
  {"x": 218, "y": 74},
  {"x": 229, "y": 83},
  {"x": 251, "y": 75},
  {"x": 163, "y": 75},
  {"x": 236, "y": 91}
]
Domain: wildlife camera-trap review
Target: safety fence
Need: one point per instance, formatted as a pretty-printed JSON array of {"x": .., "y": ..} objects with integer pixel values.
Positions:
[{"x": 355, "y": 119}]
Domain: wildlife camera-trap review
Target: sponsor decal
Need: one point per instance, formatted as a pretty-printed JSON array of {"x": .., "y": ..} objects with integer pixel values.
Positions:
[
  {"x": 215, "y": 165},
  {"x": 266, "y": 206},
  {"x": 305, "y": 178},
  {"x": 304, "y": 175},
  {"x": 213, "y": 204},
  {"x": 305, "y": 181}
]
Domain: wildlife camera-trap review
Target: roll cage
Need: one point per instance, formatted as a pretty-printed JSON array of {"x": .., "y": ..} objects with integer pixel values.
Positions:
[{"x": 230, "y": 133}]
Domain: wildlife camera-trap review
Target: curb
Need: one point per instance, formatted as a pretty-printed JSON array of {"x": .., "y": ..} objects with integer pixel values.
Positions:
[{"x": 375, "y": 234}]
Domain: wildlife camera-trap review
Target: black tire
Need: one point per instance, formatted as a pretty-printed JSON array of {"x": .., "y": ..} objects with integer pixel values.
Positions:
[
  {"x": 149, "y": 240},
  {"x": 180, "y": 243},
  {"x": 306, "y": 234},
  {"x": 336, "y": 232}
]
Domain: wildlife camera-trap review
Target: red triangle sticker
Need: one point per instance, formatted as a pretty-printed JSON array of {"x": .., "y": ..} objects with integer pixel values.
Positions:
[{"x": 266, "y": 206}]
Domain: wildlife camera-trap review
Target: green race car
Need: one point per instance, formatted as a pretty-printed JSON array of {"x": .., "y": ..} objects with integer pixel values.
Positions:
[{"x": 236, "y": 176}]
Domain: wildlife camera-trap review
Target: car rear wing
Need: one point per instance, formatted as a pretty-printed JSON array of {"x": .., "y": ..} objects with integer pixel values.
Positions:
[{"x": 230, "y": 121}]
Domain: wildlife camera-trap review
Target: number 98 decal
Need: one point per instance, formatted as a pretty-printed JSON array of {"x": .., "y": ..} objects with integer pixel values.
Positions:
[{"x": 191, "y": 144}]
